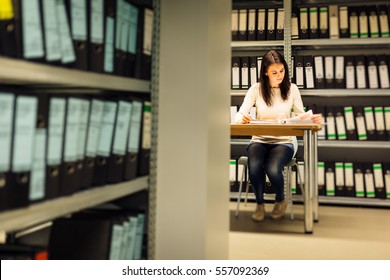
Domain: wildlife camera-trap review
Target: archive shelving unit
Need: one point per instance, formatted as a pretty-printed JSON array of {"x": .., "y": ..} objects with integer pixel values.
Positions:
[{"x": 372, "y": 151}]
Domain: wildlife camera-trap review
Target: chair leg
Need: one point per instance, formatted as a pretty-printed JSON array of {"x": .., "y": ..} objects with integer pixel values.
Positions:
[
  {"x": 240, "y": 191},
  {"x": 246, "y": 187}
]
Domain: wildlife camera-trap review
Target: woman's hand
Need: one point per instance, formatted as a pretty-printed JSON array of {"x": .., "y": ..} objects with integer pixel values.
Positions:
[
  {"x": 317, "y": 118},
  {"x": 246, "y": 118}
]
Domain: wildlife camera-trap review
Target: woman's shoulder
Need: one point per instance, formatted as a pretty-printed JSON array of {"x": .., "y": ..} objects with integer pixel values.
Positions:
[{"x": 294, "y": 89}]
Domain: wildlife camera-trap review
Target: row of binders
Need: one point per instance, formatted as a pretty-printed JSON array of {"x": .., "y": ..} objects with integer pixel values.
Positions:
[
  {"x": 320, "y": 72},
  {"x": 333, "y": 21},
  {"x": 361, "y": 123},
  {"x": 104, "y": 36},
  {"x": 341, "y": 179},
  {"x": 53, "y": 145},
  {"x": 98, "y": 235}
]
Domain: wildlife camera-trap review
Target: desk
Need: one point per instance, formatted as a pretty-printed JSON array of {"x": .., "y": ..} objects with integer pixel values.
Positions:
[{"x": 309, "y": 133}]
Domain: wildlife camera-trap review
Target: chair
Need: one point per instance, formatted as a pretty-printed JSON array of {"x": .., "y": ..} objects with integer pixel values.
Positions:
[{"x": 243, "y": 160}]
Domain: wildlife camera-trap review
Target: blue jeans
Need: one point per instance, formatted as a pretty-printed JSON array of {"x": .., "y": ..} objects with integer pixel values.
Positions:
[{"x": 268, "y": 159}]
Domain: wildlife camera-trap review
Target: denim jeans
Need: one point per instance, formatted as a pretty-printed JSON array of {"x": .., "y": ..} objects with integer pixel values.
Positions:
[{"x": 268, "y": 159}]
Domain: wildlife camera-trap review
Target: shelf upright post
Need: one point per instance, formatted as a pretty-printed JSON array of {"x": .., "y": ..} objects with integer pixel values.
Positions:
[{"x": 287, "y": 34}]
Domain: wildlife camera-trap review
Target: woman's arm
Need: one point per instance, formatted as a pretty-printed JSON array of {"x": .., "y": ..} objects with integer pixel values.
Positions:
[{"x": 242, "y": 116}]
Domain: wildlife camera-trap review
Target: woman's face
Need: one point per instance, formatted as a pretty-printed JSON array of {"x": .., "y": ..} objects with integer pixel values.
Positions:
[{"x": 275, "y": 74}]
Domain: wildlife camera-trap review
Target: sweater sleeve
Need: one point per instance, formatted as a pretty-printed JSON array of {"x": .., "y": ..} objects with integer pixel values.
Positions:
[
  {"x": 297, "y": 100},
  {"x": 247, "y": 104}
]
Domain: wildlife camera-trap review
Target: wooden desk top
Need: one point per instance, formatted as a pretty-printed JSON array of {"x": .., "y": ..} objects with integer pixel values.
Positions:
[{"x": 273, "y": 129}]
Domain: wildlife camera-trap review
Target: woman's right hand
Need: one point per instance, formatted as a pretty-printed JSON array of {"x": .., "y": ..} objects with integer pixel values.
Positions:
[{"x": 246, "y": 118}]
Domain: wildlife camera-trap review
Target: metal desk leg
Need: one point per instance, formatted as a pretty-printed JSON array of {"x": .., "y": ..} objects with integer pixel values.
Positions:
[
  {"x": 308, "y": 202},
  {"x": 315, "y": 176}
]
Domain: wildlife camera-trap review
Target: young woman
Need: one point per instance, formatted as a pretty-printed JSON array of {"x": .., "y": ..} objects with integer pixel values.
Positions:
[{"x": 274, "y": 97}]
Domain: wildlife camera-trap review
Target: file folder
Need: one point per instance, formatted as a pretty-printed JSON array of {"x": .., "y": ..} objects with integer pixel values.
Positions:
[
  {"x": 319, "y": 72},
  {"x": 370, "y": 122},
  {"x": 121, "y": 37},
  {"x": 383, "y": 21},
  {"x": 271, "y": 22},
  {"x": 321, "y": 178},
  {"x": 363, "y": 23},
  {"x": 309, "y": 71},
  {"x": 146, "y": 138},
  {"x": 105, "y": 142},
  {"x": 68, "y": 56},
  {"x": 321, "y": 135},
  {"x": 70, "y": 178},
  {"x": 339, "y": 72},
  {"x": 133, "y": 40},
  {"x": 243, "y": 25},
  {"x": 372, "y": 66},
  {"x": 350, "y": 123},
  {"x": 349, "y": 189},
  {"x": 234, "y": 25},
  {"x": 369, "y": 180},
  {"x": 280, "y": 24},
  {"x": 353, "y": 22},
  {"x": 339, "y": 179},
  {"x": 133, "y": 143},
  {"x": 244, "y": 69},
  {"x": 329, "y": 71},
  {"x": 116, "y": 160},
  {"x": 96, "y": 35},
  {"x": 109, "y": 36},
  {"x": 313, "y": 20},
  {"x": 303, "y": 23},
  {"x": 386, "y": 174},
  {"x": 233, "y": 175},
  {"x": 252, "y": 70},
  {"x": 331, "y": 124},
  {"x": 386, "y": 111},
  {"x": 350, "y": 72},
  {"x": 324, "y": 22},
  {"x": 235, "y": 72},
  {"x": 10, "y": 37},
  {"x": 333, "y": 22},
  {"x": 344, "y": 22},
  {"x": 55, "y": 142},
  {"x": 51, "y": 35},
  {"x": 330, "y": 178},
  {"x": 383, "y": 71},
  {"x": 22, "y": 150},
  {"x": 373, "y": 21},
  {"x": 31, "y": 29},
  {"x": 144, "y": 51},
  {"x": 361, "y": 74},
  {"x": 78, "y": 19},
  {"x": 81, "y": 166},
  {"x": 380, "y": 123},
  {"x": 251, "y": 31},
  {"x": 294, "y": 23},
  {"x": 93, "y": 133},
  {"x": 380, "y": 190},
  {"x": 7, "y": 102},
  {"x": 340, "y": 123},
  {"x": 38, "y": 169},
  {"x": 360, "y": 123},
  {"x": 299, "y": 71},
  {"x": 358, "y": 171},
  {"x": 261, "y": 25}
]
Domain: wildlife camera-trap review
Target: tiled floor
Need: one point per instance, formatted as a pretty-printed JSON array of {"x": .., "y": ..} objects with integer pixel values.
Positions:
[{"x": 341, "y": 233}]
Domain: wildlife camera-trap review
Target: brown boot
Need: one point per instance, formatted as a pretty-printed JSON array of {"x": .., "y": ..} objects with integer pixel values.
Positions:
[
  {"x": 259, "y": 213},
  {"x": 279, "y": 209}
]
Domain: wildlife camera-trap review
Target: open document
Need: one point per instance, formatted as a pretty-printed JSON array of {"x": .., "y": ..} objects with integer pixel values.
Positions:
[{"x": 303, "y": 118}]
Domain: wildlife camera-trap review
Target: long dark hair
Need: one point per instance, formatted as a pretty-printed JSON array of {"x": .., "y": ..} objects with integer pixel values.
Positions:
[{"x": 269, "y": 58}]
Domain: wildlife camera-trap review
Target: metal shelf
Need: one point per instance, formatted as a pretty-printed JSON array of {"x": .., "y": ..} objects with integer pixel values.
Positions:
[
  {"x": 20, "y": 72},
  {"x": 255, "y": 45},
  {"x": 350, "y": 42},
  {"x": 19, "y": 219},
  {"x": 332, "y": 92},
  {"x": 327, "y": 200}
]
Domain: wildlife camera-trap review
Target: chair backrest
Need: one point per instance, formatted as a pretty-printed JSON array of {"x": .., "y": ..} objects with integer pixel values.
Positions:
[{"x": 295, "y": 143}]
